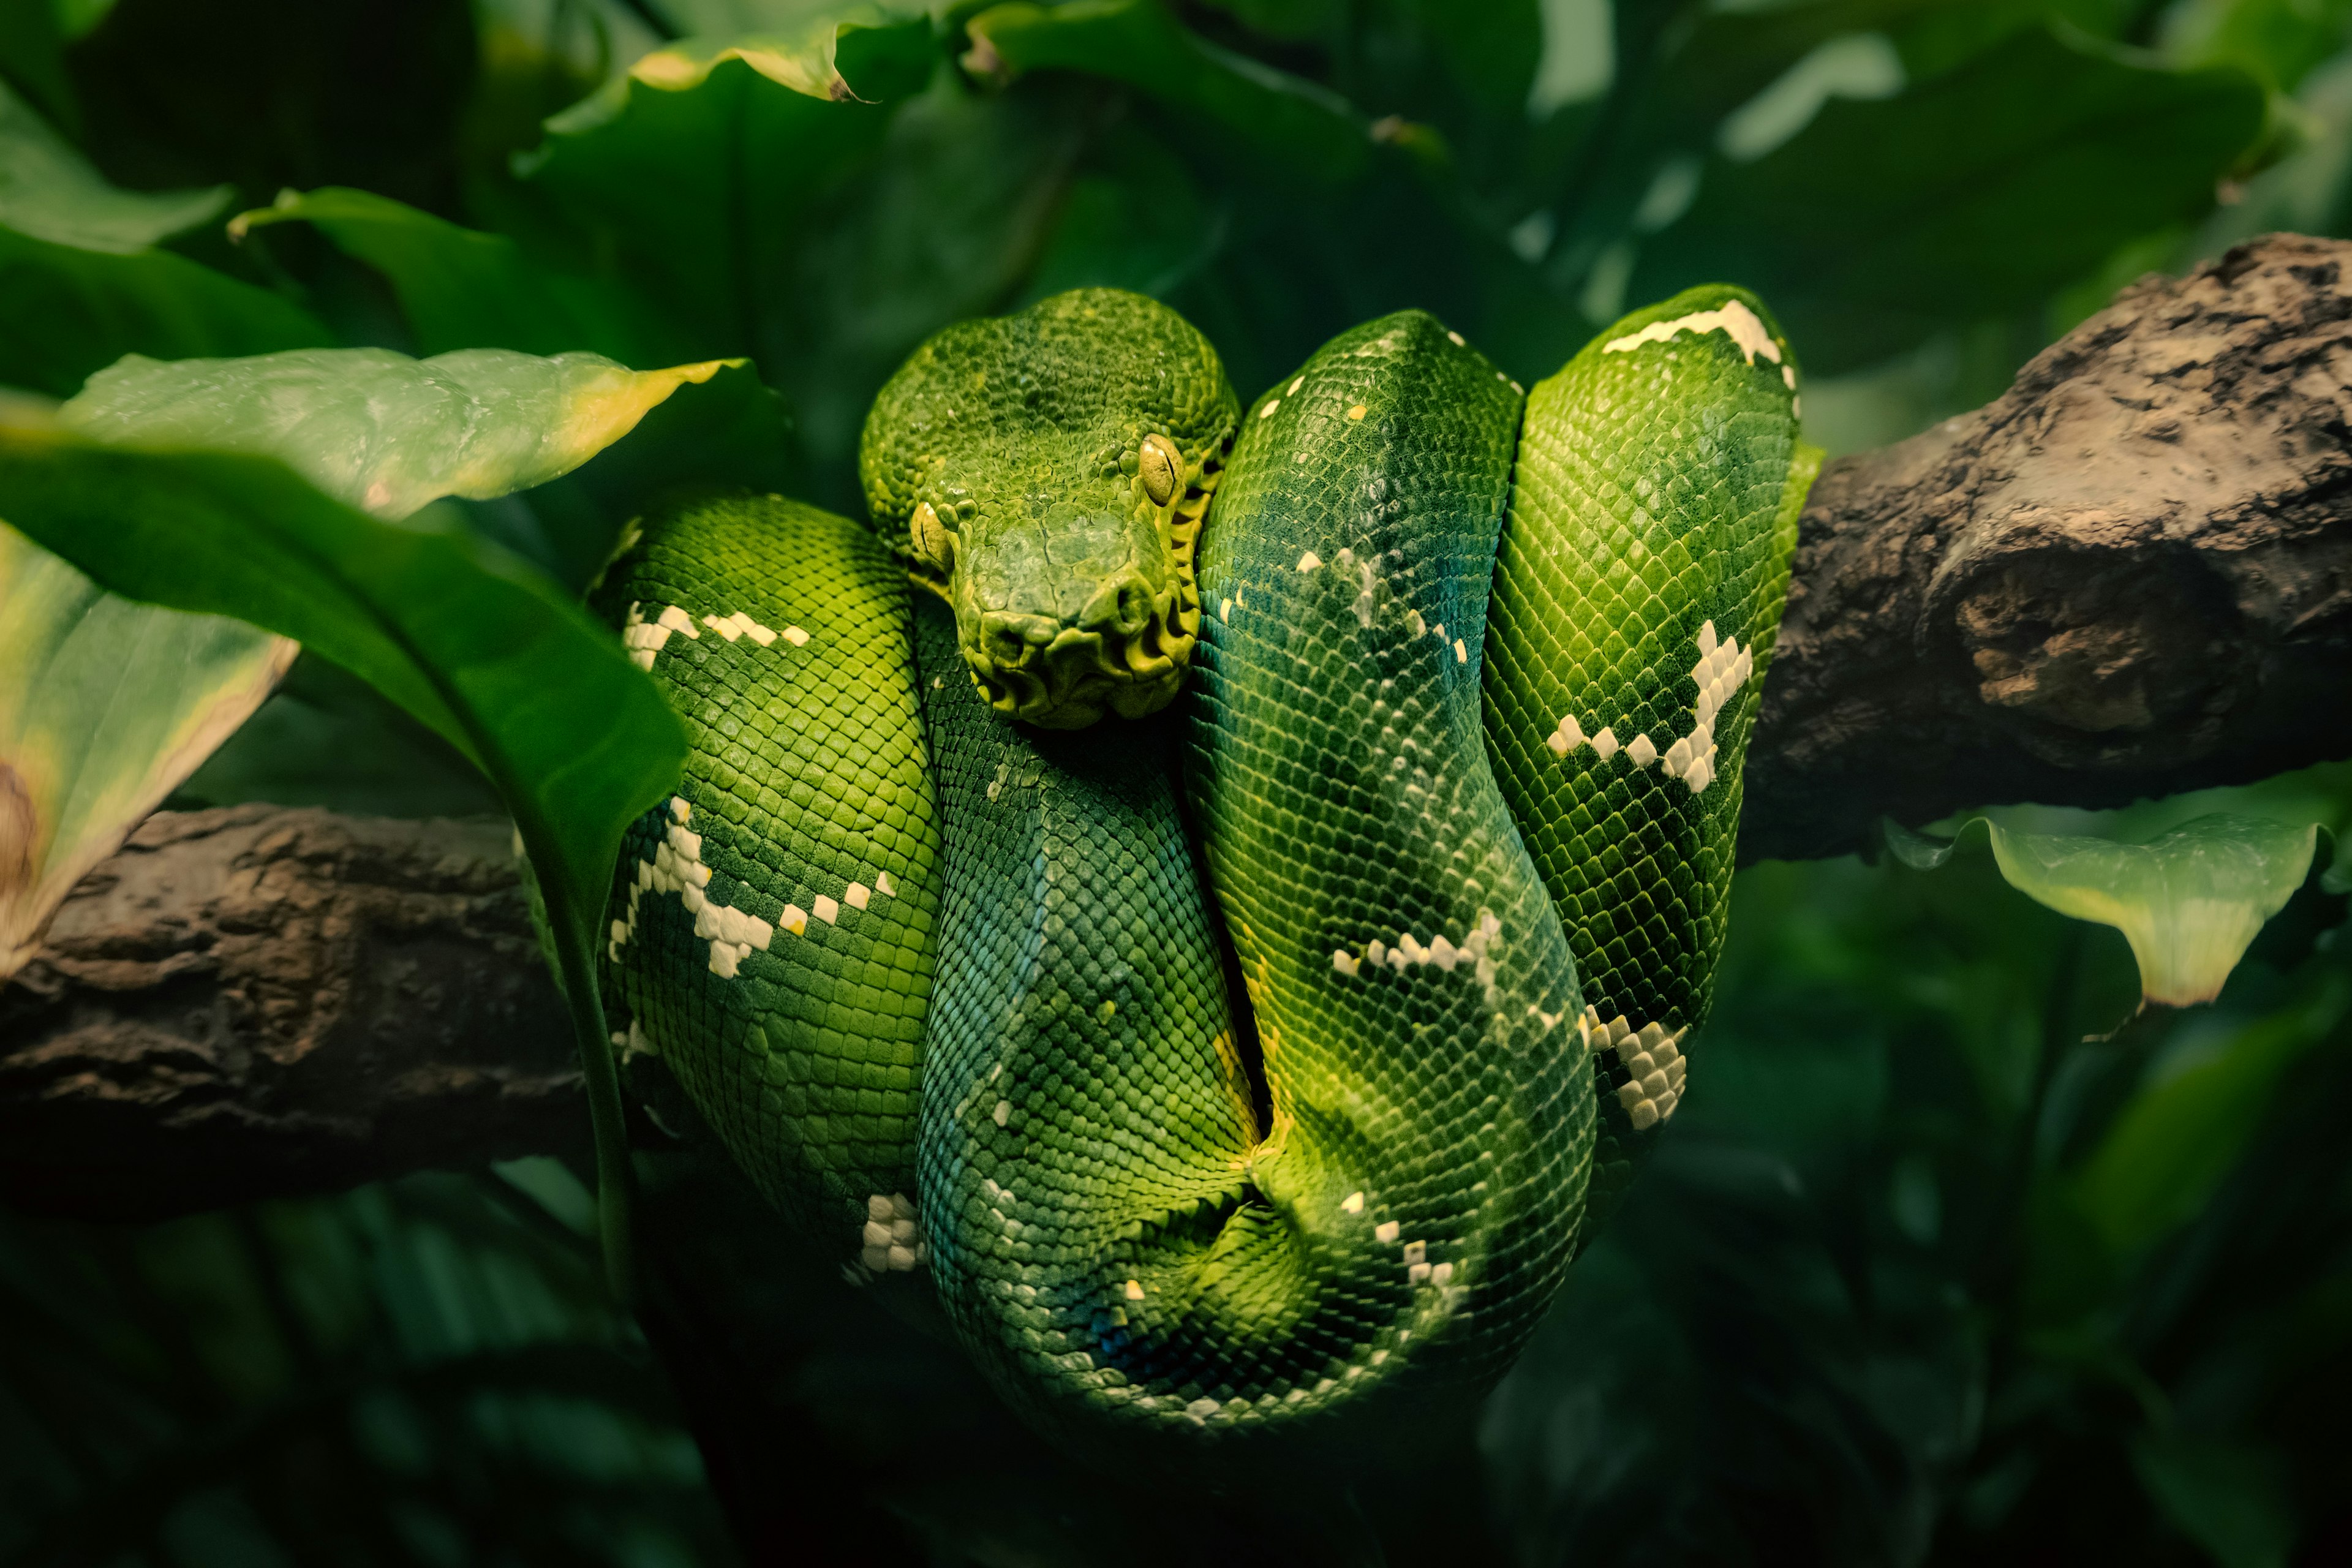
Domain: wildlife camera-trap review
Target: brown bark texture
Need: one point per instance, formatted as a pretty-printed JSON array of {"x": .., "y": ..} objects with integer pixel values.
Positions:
[
  {"x": 253, "y": 1001},
  {"x": 2130, "y": 576}
]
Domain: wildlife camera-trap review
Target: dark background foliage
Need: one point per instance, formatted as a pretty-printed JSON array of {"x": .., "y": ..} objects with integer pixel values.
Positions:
[{"x": 1951, "y": 1259}]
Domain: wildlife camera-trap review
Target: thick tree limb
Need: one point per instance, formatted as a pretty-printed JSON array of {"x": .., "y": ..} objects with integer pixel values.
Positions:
[
  {"x": 252, "y": 1002},
  {"x": 2130, "y": 576}
]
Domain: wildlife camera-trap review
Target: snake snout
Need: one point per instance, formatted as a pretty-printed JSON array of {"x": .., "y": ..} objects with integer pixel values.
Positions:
[
  {"x": 1008, "y": 635},
  {"x": 1121, "y": 607}
]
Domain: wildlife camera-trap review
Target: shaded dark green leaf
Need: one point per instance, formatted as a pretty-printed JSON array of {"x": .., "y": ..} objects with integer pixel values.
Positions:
[{"x": 1865, "y": 230}]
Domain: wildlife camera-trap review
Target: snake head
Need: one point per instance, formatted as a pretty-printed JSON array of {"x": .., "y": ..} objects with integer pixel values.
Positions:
[{"x": 1046, "y": 473}]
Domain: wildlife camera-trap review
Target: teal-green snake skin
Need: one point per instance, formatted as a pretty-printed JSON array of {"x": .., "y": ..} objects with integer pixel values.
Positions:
[{"x": 1234, "y": 936}]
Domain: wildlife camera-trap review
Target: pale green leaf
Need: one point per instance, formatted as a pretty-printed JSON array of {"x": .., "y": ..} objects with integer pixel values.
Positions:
[
  {"x": 377, "y": 429},
  {"x": 105, "y": 706},
  {"x": 2190, "y": 900},
  {"x": 48, "y": 191}
]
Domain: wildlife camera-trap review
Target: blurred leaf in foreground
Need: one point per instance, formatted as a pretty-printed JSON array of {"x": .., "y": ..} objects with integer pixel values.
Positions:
[
  {"x": 2189, "y": 901},
  {"x": 480, "y": 649},
  {"x": 105, "y": 707}
]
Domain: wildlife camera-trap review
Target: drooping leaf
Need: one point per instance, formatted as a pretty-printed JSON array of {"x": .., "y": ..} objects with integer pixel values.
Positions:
[
  {"x": 463, "y": 289},
  {"x": 2189, "y": 901},
  {"x": 105, "y": 706},
  {"x": 71, "y": 313},
  {"x": 1137, "y": 42},
  {"x": 49, "y": 191},
  {"x": 382, "y": 431},
  {"x": 1868, "y": 229},
  {"x": 871, "y": 53},
  {"x": 479, "y": 647}
]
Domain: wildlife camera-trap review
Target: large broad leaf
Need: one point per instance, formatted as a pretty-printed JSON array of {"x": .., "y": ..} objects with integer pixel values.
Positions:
[
  {"x": 826, "y": 239},
  {"x": 385, "y": 432},
  {"x": 1139, "y": 43},
  {"x": 71, "y": 311},
  {"x": 2189, "y": 901},
  {"x": 49, "y": 191},
  {"x": 693, "y": 178},
  {"x": 869, "y": 52},
  {"x": 1976, "y": 192},
  {"x": 489, "y": 654},
  {"x": 105, "y": 706},
  {"x": 462, "y": 289}
]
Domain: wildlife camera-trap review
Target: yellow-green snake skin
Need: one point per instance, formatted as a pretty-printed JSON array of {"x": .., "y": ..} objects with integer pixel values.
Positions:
[{"x": 1224, "y": 1063}]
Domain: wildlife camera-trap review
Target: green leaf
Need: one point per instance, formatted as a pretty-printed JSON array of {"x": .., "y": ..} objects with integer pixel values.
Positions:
[
  {"x": 1139, "y": 43},
  {"x": 1491, "y": 47},
  {"x": 72, "y": 312},
  {"x": 462, "y": 289},
  {"x": 2189, "y": 901},
  {"x": 380, "y": 430},
  {"x": 49, "y": 191},
  {"x": 692, "y": 186},
  {"x": 105, "y": 706},
  {"x": 1977, "y": 193},
  {"x": 869, "y": 53},
  {"x": 481, "y": 649},
  {"x": 2171, "y": 1145}
]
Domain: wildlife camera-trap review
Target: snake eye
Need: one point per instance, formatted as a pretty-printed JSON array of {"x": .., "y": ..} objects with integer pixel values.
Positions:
[
  {"x": 932, "y": 540},
  {"x": 1161, "y": 467}
]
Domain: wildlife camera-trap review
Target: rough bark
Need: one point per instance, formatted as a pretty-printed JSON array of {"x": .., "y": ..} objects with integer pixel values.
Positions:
[
  {"x": 2130, "y": 576},
  {"x": 253, "y": 1001}
]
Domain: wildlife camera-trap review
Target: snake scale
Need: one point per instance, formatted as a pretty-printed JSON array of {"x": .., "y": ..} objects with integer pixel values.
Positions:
[{"x": 1233, "y": 960}]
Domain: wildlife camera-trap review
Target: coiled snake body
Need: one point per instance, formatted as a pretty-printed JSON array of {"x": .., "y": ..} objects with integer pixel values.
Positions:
[{"x": 1245, "y": 1055}]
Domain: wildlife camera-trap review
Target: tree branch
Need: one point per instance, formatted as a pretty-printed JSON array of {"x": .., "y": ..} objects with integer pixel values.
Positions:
[
  {"x": 252, "y": 1002},
  {"x": 2130, "y": 576}
]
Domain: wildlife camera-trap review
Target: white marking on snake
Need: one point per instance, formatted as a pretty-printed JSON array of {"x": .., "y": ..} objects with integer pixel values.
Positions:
[
  {"x": 739, "y": 625},
  {"x": 856, "y": 896},
  {"x": 825, "y": 909},
  {"x": 1343, "y": 962},
  {"x": 1789, "y": 376},
  {"x": 1352, "y": 1204},
  {"x": 1357, "y": 412},
  {"x": 1640, "y": 752},
  {"x": 1135, "y": 1290},
  {"x": 892, "y": 1242},
  {"x": 1605, "y": 743},
  {"x": 1732, "y": 319},
  {"x": 1386, "y": 1231},
  {"x": 1455, "y": 338},
  {"x": 1461, "y": 654},
  {"x": 1271, "y": 405},
  {"x": 1309, "y": 562},
  {"x": 1296, "y": 385},
  {"x": 796, "y": 636},
  {"x": 1003, "y": 1113},
  {"x": 680, "y": 808},
  {"x": 885, "y": 885}
]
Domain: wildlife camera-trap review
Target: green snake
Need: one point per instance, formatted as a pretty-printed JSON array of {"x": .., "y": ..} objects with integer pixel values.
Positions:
[{"x": 1237, "y": 931}]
